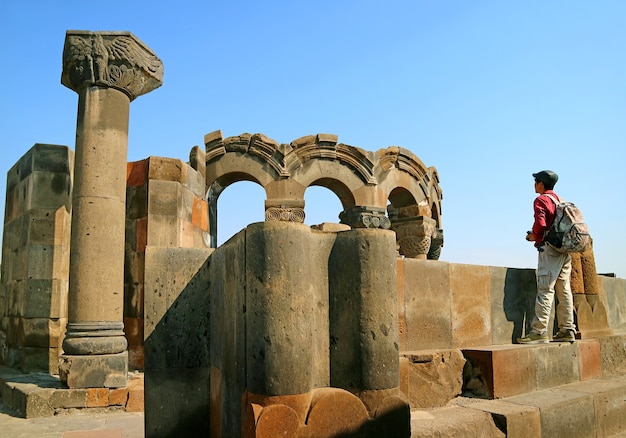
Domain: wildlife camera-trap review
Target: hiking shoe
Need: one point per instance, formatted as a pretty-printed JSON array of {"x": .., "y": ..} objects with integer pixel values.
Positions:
[
  {"x": 564, "y": 336},
  {"x": 534, "y": 338}
]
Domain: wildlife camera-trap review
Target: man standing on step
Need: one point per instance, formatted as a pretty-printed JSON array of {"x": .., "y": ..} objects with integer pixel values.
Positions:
[{"x": 553, "y": 269}]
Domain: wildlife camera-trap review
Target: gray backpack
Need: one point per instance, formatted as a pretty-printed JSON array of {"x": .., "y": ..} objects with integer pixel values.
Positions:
[{"x": 569, "y": 232}]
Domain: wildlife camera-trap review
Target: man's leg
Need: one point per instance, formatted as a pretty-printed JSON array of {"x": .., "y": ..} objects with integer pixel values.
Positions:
[{"x": 565, "y": 305}]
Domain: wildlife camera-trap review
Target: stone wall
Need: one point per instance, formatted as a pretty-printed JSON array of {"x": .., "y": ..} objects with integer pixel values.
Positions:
[
  {"x": 165, "y": 208},
  {"x": 35, "y": 258},
  {"x": 300, "y": 321}
]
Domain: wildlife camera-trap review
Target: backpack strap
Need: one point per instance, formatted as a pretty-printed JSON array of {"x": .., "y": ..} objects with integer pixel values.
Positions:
[{"x": 555, "y": 200}]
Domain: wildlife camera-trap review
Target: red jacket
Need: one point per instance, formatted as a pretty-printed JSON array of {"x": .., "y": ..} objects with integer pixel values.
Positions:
[{"x": 544, "y": 215}]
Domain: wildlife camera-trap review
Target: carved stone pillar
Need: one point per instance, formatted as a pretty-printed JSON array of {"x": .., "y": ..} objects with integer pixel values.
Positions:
[
  {"x": 591, "y": 314},
  {"x": 108, "y": 70},
  {"x": 365, "y": 217},
  {"x": 414, "y": 235}
]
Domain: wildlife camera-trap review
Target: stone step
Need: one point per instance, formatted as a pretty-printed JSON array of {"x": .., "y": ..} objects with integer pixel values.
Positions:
[
  {"x": 594, "y": 407},
  {"x": 431, "y": 378},
  {"x": 506, "y": 370},
  {"x": 34, "y": 395}
]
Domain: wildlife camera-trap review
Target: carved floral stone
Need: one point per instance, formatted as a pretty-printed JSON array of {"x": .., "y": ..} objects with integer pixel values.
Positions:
[
  {"x": 110, "y": 59},
  {"x": 365, "y": 217},
  {"x": 414, "y": 235},
  {"x": 285, "y": 214}
]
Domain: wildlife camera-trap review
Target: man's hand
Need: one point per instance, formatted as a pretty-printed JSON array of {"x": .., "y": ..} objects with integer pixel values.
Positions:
[{"x": 530, "y": 236}]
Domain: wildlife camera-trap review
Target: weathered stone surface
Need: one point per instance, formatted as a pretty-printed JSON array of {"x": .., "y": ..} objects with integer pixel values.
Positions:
[
  {"x": 94, "y": 371},
  {"x": 427, "y": 304},
  {"x": 589, "y": 359},
  {"x": 563, "y": 412},
  {"x": 434, "y": 377},
  {"x": 613, "y": 353},
  {"x": 363, "y": 310},
  {"x": 499, "y": 371},
  {"x": 608, "y": 404},
  {"x": 286, "y": 308},
  {"x": 471, "y": 305},
  {"x": 512, "y": 419},
  {"x": 512, "y": 293},
  {"x": 453, "y": 422},
  {"x": 557, "y": 364},
  {"x": 189, "y": 387},
  {"x": 614, "y": 291}
]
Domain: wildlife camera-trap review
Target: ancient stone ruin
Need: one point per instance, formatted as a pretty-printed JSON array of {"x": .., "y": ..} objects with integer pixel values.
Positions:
[{"x": 348, "y": 329}]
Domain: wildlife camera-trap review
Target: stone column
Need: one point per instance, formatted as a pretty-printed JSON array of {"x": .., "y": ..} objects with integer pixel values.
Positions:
[{"x": 108, "y": 70}]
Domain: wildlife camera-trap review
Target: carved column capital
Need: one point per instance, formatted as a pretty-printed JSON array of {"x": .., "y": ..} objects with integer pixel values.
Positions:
[
  {"x": 365, "y": 217},
  {"x": 414, "y": 235},
  {"x": 285, "y": 214},
  {"x": 110, "y": 59}
]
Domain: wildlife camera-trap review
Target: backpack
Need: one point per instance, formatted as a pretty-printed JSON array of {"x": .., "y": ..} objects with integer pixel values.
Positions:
[{"x": 569, "y": 232}]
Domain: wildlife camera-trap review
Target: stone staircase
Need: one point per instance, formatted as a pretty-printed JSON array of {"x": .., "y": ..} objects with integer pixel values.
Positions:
[{"x": 542, "y": 390}]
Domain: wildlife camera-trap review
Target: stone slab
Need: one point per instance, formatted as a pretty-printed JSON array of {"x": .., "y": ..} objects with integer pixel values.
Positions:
[{"x": 563, "y": 413}]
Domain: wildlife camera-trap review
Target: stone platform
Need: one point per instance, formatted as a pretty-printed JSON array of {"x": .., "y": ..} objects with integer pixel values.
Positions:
[
  {"x": 557, "y": 389},
  {"x": 36, "y": 395}
]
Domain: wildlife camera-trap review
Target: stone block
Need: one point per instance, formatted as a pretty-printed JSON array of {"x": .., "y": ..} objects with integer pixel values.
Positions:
[
  {"x": 52, "y": 158},
  {"x": 613, "y": 290},
  {"x": 176, "y": 307},
  {"x": 563, "y": 412},
  {"x": 136, "y": 398},
  {"x": 118, "y": 396},
  {"x": 609, "y": 405},
  {"x": 513, "y": 293},
  {"x": 196, "y": 181},
  {"x": 433, "y": 377},
  {"x": 200, "y": 213},
  {"x": 69, "y": 398},
  {"x": 287, "y": 308},
  {"x": 453, "y": 422},
  {"x": 136, "y": 202},
  {"x": 613, "y": 353},
  {"x": 166, "y": 419},
  {"x": 500, "y": 371},
  {"x": 165, "y": 169},
  {"x": 136, "y": 173},
  {"x": 471, "y": 305},
  {"x": 557, "y": 364},
  {"x": 94, "y": 371},
  {"x": 50, "y": 190},
  {"x": 185, "y": 204},
  {"x": 363, "y": 309},
  {"x": 48, "y": 227},
  {"x": 589, "y": 359},
  {"x": 512, "y": 419},
  {"x": 427, "y": 308},
  {"x": 33, "y": 402},
  {"x": 402, "y": 342},
  {"x": 97, "y": 397},
  {"x": 164, "y": 197},
  {"x": 162, "y": 231}
]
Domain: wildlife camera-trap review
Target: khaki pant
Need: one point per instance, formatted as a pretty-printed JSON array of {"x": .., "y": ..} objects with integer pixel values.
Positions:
[{"x": 553, "y": 276}]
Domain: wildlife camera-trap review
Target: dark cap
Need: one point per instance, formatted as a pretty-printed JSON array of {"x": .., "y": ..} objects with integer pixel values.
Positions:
[{"x": 547, "y": 177}]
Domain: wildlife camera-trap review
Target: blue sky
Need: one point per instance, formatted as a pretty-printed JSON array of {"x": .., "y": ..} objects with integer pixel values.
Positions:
[{"x": 488, "y": 92}]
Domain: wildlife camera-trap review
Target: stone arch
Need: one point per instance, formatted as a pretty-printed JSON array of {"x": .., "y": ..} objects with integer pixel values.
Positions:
[{"x": 363, "y": 181}]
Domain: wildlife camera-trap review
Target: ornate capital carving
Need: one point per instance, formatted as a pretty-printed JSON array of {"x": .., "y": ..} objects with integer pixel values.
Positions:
[
  {"x": 110, "y": 59},
  {"x": 286, "y": 214},
  {"x": 414, "y": 235},
  {"x": 365, "y": 217}
]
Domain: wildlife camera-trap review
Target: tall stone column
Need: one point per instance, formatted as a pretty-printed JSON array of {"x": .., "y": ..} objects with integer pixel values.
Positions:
[{"x": 108, "y": 70}]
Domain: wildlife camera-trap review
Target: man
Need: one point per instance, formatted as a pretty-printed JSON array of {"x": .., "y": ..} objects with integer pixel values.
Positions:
[{"x": 553, "y": 269}]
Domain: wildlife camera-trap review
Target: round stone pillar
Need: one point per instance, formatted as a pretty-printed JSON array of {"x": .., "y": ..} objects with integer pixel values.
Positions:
[{"x": 107, "y": 70}]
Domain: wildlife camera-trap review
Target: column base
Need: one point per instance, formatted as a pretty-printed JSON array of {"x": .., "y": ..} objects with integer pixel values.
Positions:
[{"x": 94, "y": 371}]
